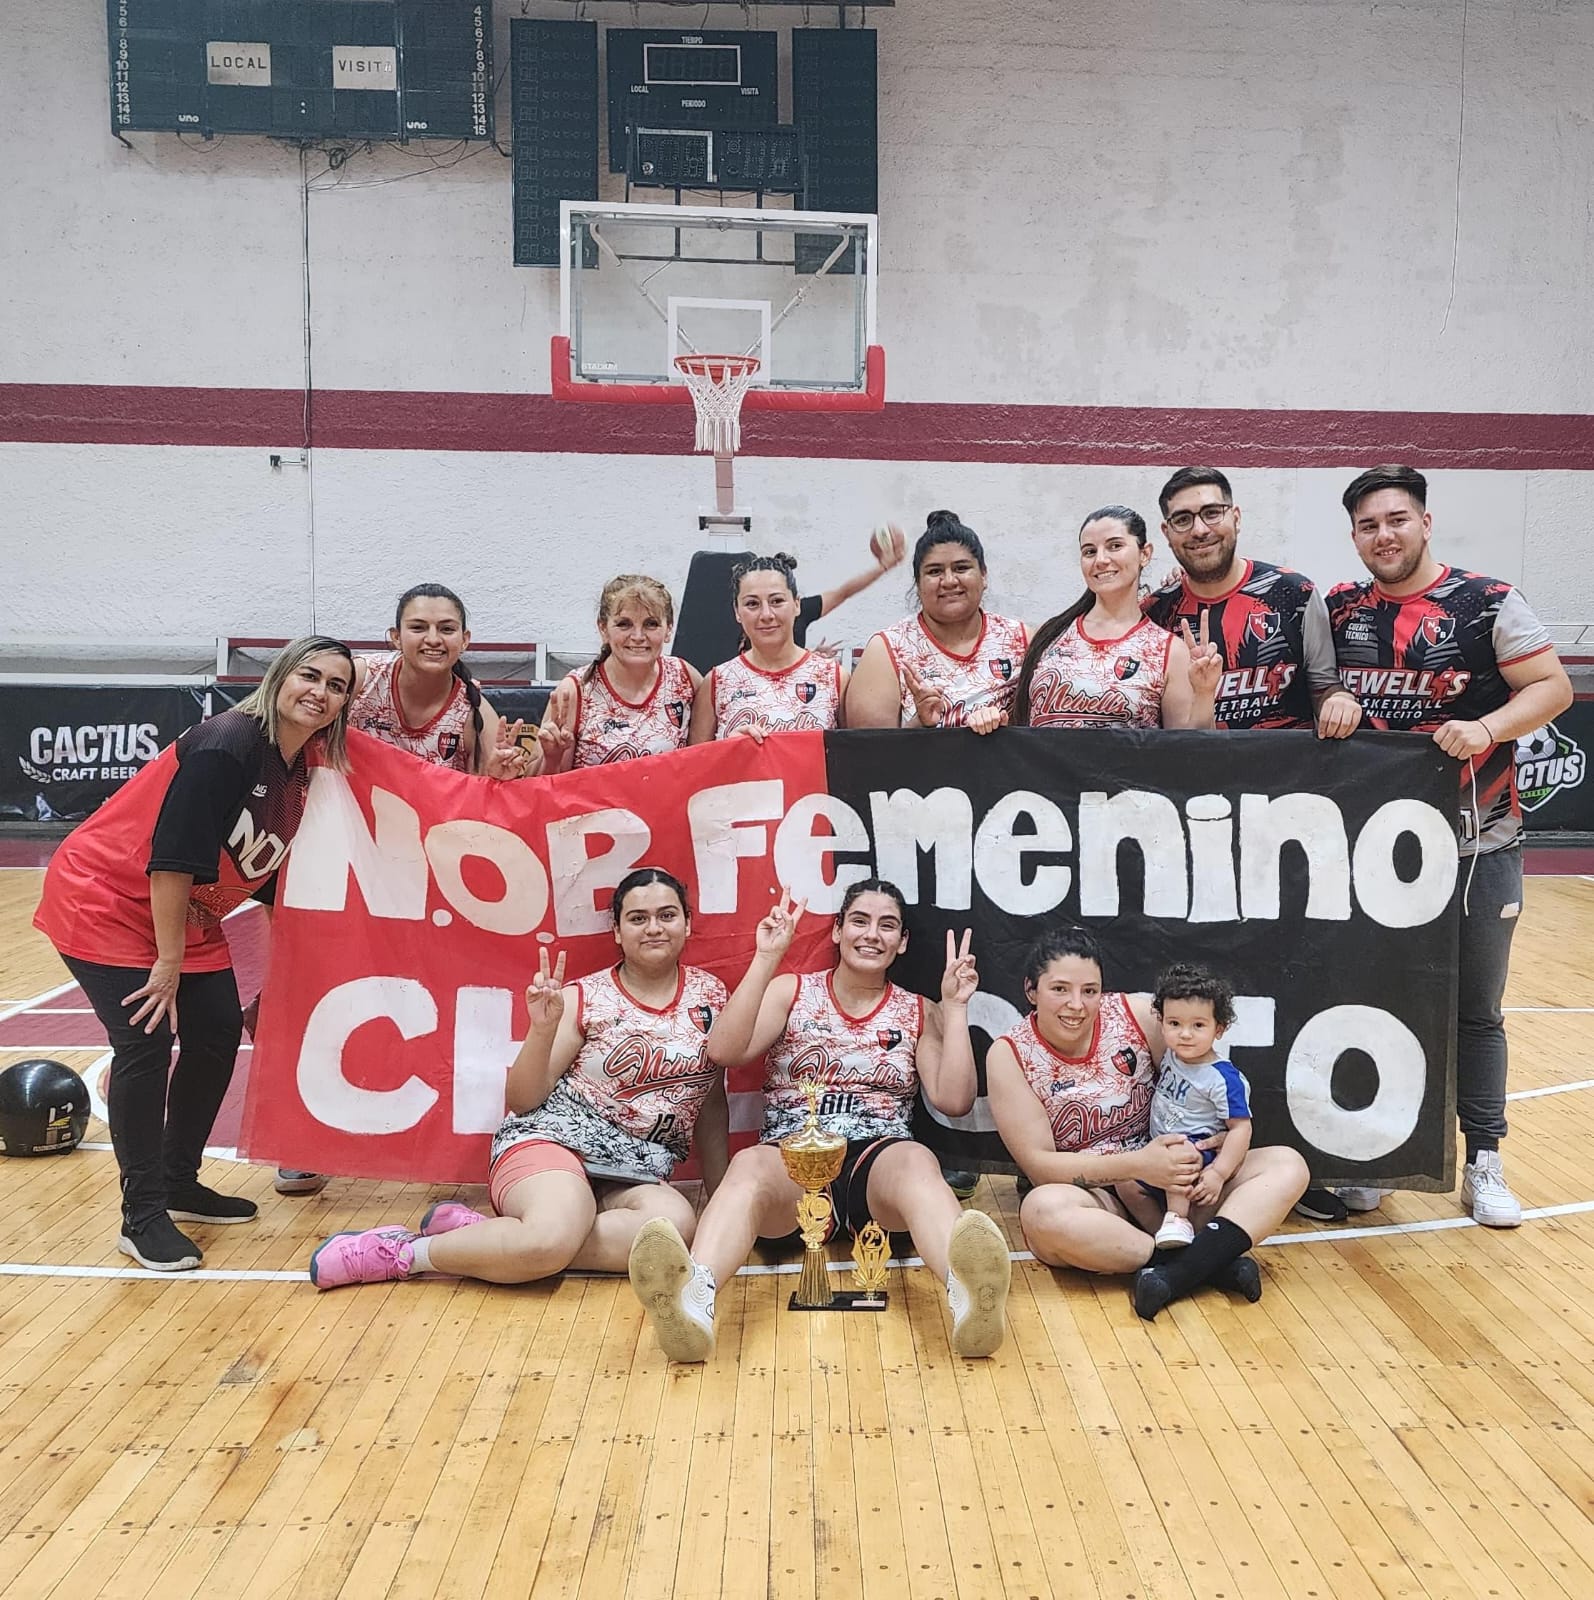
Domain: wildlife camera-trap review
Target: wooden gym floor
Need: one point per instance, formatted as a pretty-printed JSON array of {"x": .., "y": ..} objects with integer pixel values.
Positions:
[{"x": 1409, "y": 1411}]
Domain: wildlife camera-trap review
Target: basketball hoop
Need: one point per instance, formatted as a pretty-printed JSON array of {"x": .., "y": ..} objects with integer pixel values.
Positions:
[{"x": 718, "y": 384}]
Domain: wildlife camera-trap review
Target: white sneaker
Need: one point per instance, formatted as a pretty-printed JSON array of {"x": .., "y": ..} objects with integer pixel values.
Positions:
[
  {"x": 1487, "y": 1195},
  {"x": 1174, "y": 1234},
  {"x": 676, "y": 1293},
  {"x": 1363, "y": 1199},
  {"x": 978, "y": 1274}
]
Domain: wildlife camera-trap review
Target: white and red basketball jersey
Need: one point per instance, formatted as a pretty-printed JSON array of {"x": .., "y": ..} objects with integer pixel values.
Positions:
[
  {"x": 611, "y": 728},
  {"x": 647, "y": 1071},
  {"x": 805, "y": 695},
  {"x": 1082, "y": 682},
  {"x": 1101, "y": 1103},
  {"x": 865, "y": 1065},
  {"x": 376, "y": 711},
  {"x": 987, "y": 675}
]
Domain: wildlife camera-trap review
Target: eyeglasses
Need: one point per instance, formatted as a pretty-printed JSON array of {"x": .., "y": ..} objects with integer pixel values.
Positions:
[{"x": 1212, "y": 515}]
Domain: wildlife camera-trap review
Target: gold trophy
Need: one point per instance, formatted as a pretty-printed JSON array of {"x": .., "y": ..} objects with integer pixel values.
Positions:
[{"x": 813, "y": 1159}]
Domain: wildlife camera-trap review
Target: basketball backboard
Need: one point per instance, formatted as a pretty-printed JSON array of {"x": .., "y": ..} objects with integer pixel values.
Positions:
[{"x": 640, "y": 285}]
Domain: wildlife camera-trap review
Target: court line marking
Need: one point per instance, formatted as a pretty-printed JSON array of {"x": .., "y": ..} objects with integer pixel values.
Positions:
[
  {"x": 38, "y": 999},
  {"x": 779, "y": 1269}
]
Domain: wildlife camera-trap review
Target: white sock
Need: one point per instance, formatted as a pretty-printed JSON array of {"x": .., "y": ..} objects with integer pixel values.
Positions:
[{"x": 420, "y": 1254}]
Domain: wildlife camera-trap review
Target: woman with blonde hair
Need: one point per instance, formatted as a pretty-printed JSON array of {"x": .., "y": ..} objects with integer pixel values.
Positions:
[
  {"x": 633, "y": 699},
  {"x": 134, "y": 899}
]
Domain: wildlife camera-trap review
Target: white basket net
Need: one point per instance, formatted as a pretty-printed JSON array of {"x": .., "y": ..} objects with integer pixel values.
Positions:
[{"x": 718, "y": 384}]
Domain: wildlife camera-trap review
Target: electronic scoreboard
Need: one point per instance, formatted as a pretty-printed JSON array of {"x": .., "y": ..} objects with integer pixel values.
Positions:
[{"x": 303, "y": 69}]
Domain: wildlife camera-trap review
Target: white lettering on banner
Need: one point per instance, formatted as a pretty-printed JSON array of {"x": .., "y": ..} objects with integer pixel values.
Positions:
[
  {"x": 484, "y": 1050},
  {"x": 328, "y": 1096},
  {"x": 1390, "y": 1118},
  {"x": 941, "y": 822},
  {"x": 1199, "y": 866},
  {"x": 721, "y": 836},
  {"x": 524, "y": 901},
  {"x": 1380, "y": 891},
  {"x": 333, "y": 842},
  {"x": 1152, "y": 821},
  {"x": 1212, "y": 888},
  {"x": 580, "y": 880},
  {"x": 89, "y": 746},
  {"x": 999, "y": 854},
  {"x": 800, "y": 854},
  {"x": 1312, "y": 821}
]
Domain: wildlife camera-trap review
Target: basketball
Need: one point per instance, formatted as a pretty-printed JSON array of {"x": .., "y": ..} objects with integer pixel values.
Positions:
[
  {"x": 44, "y": 1108},
  {"x": 888, "y": 543}
]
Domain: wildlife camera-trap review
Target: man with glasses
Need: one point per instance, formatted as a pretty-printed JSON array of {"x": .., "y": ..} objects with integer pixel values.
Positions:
[{"x": 1271, "y": 629}]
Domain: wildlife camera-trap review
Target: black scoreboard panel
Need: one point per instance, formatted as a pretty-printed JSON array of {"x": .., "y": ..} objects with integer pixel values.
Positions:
[
  {"x": 689, "y": 80},
  {"x": 553, "y": 99},
  {"x": 835, "y": 95},
  {"x": 303, "y": 69}
]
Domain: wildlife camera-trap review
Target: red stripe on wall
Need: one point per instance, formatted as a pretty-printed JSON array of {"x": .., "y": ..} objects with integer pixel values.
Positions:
[{"x": 354, "y": 419}]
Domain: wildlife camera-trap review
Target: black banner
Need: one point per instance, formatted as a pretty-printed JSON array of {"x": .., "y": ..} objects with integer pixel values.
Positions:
[
  {"x": 1320, "y": 879},
  {"x": 1552, "y": 765},
  {"x": 66, "y": 750}
]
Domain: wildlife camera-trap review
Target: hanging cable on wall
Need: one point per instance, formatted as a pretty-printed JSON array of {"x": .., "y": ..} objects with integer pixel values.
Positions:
[{"x": 1461, "y": 136}]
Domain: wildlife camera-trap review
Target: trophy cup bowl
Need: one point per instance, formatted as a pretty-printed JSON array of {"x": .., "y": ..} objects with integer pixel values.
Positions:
[{"x": 813, "y": 1158}]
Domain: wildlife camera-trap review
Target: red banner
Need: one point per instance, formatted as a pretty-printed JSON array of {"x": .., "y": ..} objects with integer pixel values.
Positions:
[{"x": 413, "y": 906}]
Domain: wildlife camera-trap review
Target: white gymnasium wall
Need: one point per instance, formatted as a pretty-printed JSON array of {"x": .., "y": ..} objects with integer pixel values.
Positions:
[{"x": 1231, "y": 203}]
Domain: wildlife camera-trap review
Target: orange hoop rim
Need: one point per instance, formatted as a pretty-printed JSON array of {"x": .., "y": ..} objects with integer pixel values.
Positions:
[{"x": 704, "y": 366}]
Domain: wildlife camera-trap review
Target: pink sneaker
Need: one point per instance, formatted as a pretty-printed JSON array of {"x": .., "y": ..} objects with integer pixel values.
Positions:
[
  {"x": 378, "y": 1255},
  {"x": 447, "y": 1215}
]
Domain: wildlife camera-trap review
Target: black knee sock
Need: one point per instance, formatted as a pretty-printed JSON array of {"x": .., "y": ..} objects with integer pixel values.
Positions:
[{"x": 1213, "y": 1248}]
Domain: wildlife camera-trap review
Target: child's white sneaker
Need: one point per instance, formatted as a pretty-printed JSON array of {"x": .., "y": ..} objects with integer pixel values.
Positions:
[{"x": 1175, "y": 1233}]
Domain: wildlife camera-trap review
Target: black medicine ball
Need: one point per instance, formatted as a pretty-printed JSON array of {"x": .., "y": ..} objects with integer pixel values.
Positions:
[{"x": 44, "y": 1109}]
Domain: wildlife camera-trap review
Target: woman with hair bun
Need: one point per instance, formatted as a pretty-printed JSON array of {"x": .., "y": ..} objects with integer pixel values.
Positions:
[
  {"x": 632, "y": 699},
  {"x": 774, "y": 685},
  {"x": 601, "y": 1104},
  {"x": 423, "y": 698},
  {"x": 1100, "y": 663},
  {"x": 950, "y": 665}
]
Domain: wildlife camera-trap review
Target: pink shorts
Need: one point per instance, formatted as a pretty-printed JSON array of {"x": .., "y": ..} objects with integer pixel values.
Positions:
[{"x": 526, "y": 1160}]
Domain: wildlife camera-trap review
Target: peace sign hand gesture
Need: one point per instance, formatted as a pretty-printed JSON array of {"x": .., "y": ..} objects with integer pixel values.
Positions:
[
  {"x": 1206, "y": 665},
  {"x": 508, "y": 758},
  {"x": 929, "y": 701},
  {"x": 775, "y": 933},
  {"x": 545, "y": 999},
  {"x": 961, "y": 979}
]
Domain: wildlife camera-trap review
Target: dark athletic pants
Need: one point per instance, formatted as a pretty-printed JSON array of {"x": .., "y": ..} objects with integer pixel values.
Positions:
[{"x": 158, "y": 1133}]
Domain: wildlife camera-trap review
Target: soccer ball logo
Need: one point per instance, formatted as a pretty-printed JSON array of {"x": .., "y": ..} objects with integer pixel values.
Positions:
[
  {"x": 1547, "y": 762},
  {"x": 1539, "y": 745}
]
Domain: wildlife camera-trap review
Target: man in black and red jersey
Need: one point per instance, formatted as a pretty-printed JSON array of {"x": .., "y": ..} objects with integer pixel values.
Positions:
[
  {"x": 1431, "y": 649},
  {"x": 1269, "y": 623},
  {"x": 1271, "y": 629}
]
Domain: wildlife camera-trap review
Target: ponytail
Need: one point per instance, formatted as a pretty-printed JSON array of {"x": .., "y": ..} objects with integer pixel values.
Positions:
[{"x": 472, "y": 693}]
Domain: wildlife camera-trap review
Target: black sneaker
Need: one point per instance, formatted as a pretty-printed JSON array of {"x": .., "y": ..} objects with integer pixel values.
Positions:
[
  {"x": 961, "y": 1183},
  {"x": 294, "y": 1180},
  {"x": 159, "y": 1245},
  {"x": 1322, "y": 1205},
  {"x": 195, "y": 1203}
]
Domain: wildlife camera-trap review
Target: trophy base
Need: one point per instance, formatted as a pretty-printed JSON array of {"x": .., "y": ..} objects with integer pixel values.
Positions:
[{"x": 847, "y": 1300}]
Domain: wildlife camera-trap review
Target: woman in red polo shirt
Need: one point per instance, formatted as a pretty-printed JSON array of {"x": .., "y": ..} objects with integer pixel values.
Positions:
[{"x": 134, "y": 899}]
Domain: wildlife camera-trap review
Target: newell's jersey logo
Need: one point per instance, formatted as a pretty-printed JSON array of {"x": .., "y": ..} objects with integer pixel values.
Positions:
[
  {"x": 1001, "y": 667},
  {"x": 1547, "y": 762},
  {"x": 1126, "y": 666},
  {"x": 1435, "y": 630},
  {"x": 1262, "y": 625},
  {"x": 889, "y": 1038},
  {"x": 1124, "y": 1060},
  {"x": 703, "y": 1016},
  {"x": 676, "y": 712},
  {"x": 806, "y": 692}
]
